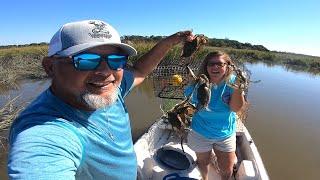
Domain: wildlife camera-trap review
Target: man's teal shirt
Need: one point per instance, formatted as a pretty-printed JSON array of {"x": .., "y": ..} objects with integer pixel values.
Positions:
[{"x": 52, "y": 140}]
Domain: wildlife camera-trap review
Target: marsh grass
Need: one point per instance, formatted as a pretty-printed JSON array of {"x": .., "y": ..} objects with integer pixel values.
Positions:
[
  {"x": 289, "y": 60},
  {"x": 9, "y": 111},
  {"x": 20, "y": 63}
]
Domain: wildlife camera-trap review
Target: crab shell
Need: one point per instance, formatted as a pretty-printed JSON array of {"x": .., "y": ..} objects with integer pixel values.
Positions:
[
  {"x": 179, "y": 116},
  {"x": 190, "y": 48},
  {"x": 203, "y": 92}
]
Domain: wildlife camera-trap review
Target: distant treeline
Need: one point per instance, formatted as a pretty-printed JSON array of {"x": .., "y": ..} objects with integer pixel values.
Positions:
[
  {"x": 23, "y": 45},
  {"x": 224, "y": 43}
]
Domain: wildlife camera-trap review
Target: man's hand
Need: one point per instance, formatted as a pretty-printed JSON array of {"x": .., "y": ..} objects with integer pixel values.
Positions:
[{"x": 181, "y": 36}]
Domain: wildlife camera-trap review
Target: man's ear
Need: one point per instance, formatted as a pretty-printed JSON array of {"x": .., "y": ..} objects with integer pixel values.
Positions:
[{"x": 47, "y": 64}]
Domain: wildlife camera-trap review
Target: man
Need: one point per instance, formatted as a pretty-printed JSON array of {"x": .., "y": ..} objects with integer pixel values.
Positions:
[{"x": 79, "y": 128}]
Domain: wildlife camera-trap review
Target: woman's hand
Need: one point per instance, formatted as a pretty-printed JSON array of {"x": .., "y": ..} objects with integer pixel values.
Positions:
[{"x": 237, "y": 100}]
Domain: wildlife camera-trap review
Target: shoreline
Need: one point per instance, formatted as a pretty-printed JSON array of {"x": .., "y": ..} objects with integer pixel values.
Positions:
[{"x": 21, "y": 63}]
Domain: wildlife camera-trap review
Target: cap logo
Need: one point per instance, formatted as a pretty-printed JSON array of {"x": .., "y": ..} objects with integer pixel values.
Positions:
[{"x": 99, "y": 30}]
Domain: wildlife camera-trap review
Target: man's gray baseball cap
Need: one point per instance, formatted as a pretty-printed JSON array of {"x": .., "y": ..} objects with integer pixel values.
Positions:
[{"x": 76, "y": 37}]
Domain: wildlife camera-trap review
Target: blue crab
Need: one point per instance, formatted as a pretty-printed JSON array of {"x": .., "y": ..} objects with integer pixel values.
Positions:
[
  {"x": 242, "y": 81},
  {"x": 203, "y": 90},
  {"x": 190, "y": 48}
]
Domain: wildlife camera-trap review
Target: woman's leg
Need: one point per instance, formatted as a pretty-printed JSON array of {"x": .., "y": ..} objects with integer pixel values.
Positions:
[
  {"x": 203, "y": 160},
  {"x": 226, "y": 162}
]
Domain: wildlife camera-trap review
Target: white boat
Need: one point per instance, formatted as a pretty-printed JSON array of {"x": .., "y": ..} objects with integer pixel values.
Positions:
[{"x": 160, "y": 156}]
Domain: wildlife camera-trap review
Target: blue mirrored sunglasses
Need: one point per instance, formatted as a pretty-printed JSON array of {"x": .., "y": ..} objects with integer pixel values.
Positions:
[{"x": 88, "y": 61}]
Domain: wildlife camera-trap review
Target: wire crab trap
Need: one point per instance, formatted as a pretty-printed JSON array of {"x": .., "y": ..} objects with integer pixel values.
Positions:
[
  {"x": 171, "y": 77},
  {"x": 169, "y": 81}
]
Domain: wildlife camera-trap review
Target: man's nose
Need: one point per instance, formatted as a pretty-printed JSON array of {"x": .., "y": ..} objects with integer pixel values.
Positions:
[{"x": 103, "y": 67}]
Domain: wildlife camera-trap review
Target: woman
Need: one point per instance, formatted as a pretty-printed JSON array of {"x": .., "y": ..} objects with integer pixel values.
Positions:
[{"x": 214, "y": 127}]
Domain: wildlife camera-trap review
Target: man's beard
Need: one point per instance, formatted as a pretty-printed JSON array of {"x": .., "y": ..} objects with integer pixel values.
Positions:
[{"x": 94, "y": 101}]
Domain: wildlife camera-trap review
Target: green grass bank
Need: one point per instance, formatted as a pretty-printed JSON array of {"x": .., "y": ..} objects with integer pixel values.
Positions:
[{"x": 18, "y": 63}]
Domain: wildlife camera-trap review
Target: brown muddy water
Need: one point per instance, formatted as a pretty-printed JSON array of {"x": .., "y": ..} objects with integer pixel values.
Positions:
[{"x": 283, "y": 119}]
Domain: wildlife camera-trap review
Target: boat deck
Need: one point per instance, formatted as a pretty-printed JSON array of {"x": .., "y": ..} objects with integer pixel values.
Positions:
[{"x": 161, "y": 136}]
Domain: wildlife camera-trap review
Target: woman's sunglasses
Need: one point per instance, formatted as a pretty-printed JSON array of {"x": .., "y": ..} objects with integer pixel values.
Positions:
[
  {"x": 217, "y": 64},
  {"x": 88, "y": 61}
]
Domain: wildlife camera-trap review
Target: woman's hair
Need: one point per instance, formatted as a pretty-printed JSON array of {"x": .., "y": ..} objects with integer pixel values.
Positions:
[{"x": 225, "y": 56}]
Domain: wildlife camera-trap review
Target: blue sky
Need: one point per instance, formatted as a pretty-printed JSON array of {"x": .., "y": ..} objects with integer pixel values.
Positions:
[{"x": 282, "y": 25}]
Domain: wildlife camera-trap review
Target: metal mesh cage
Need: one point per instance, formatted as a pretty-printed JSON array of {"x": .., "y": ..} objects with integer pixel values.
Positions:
[
  {"x": 163, "y": 81},
  {"x": 171, "y": 92},
  {"x": 164, "y": 84}
]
